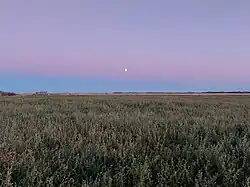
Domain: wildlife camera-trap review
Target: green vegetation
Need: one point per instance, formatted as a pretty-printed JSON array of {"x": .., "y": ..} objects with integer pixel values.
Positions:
[{"x": 125, "y": 141}]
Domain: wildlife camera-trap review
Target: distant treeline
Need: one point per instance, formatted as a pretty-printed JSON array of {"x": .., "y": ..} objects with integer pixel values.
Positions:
[
  {"x": 7, "y": 93},
  {"x": 231, "y": 92},
  {"x": 2, "y": 93}
]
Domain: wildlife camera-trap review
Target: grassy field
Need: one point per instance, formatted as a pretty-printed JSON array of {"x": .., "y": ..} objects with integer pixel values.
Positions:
[{"x": 125, "y": 141}]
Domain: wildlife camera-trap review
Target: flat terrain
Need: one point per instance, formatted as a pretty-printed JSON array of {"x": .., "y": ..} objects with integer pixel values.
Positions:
[
  {"x": 125, "y": 140},
  {"x": 143, "y": 94}
]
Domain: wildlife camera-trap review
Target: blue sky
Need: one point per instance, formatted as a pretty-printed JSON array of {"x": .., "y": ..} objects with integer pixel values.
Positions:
[{"x": 55, "y": 84}]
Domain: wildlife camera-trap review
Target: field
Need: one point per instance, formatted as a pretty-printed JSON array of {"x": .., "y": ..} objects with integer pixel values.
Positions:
[{"x": 125, "y": 140}]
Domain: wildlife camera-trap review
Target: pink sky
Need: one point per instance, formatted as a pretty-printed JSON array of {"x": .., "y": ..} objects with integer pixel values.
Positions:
[{"x": 184, "y": 40}]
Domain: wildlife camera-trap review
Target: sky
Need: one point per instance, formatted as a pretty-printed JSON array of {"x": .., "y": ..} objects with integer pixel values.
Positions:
[{"x": 85, "y": 45}]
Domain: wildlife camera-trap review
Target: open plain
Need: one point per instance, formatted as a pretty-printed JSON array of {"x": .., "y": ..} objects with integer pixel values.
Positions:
[{"x": 122, "y": 140}]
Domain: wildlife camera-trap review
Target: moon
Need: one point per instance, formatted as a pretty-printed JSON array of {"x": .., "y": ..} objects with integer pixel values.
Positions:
[{"x": 125, "y": 69}]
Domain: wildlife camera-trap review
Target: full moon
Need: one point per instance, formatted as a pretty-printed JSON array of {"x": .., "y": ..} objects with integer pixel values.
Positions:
[{"x": 125, "y": 69}]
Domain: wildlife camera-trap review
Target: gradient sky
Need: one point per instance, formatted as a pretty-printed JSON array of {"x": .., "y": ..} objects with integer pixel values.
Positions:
[{"x": 84, "y": 45}]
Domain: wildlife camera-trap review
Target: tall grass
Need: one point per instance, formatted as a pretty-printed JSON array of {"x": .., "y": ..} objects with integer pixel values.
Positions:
[{"x": 125, "y": 141}]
